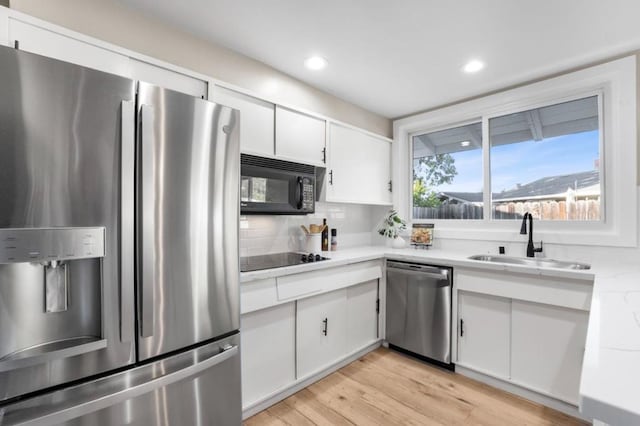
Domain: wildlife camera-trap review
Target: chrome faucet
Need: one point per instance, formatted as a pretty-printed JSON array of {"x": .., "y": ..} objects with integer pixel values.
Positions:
[{"x": 531, "y": 250}]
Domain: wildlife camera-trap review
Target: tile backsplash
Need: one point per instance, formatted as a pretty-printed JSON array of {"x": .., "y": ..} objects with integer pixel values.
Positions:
[{"x": 272, "y": 234}]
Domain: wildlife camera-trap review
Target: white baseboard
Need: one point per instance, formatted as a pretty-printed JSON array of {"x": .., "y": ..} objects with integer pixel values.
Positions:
[
  {"x": 302, "y": 383},
  {"x": 548, "y": 401}
]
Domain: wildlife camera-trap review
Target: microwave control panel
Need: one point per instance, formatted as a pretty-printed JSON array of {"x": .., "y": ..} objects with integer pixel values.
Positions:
[{"x": 307, "y": 194}]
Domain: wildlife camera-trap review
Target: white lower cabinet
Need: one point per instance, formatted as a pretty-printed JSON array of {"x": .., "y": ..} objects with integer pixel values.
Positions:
[
  {"x": 289, "y": 336},
  {"x": 362, "y": 315},
  {"x": 547, "y": 346},
  {"x": 484, "y": 333},
  {"x": 267, "y": 351},
  {"x": 534, "y": 337},
  {"x": 321, "y": 331}
]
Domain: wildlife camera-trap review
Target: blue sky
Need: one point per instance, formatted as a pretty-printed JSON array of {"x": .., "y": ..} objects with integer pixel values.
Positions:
[{"x": 525, "y": 162}]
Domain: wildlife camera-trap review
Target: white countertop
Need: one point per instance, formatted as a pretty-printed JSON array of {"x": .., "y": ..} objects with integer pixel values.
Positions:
[{"x": 611, "y": 369}]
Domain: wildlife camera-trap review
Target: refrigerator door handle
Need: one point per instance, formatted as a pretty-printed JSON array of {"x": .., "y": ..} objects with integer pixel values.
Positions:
[
  {"x": 147, "y": 214},
  {"x": 127, "y": 185},
  {"x": 75, "y": 410}
]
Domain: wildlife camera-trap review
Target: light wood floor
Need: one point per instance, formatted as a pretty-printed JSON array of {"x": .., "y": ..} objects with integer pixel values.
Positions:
[{"x": 388, "y": 388}]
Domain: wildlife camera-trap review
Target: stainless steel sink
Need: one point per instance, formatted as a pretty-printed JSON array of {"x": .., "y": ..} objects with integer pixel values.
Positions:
[{"x": 526, "y": 261}]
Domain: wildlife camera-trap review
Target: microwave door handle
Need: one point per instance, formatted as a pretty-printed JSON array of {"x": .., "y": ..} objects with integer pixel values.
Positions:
[{"x": 300, "y": 191}]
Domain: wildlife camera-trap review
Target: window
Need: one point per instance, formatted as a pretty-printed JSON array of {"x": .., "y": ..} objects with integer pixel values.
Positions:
[
  {"x": 447, "y": 173},
  {"x": 546, "y": 161},
  {"x": 564, "y": 149}
]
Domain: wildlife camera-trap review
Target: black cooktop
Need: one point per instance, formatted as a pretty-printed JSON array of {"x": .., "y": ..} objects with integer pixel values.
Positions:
[{"x": 277, "y": 260}]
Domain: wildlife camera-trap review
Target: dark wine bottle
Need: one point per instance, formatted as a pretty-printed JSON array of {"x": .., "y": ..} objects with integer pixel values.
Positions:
[{"x": 325, "y": 236}]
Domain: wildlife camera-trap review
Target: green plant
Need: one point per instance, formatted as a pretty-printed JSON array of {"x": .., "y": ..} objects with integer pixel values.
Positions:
[
  {"x": 428, "y": 174},
  {"x": 424, "y": 196},
  {"x": 391, "y": 225}
]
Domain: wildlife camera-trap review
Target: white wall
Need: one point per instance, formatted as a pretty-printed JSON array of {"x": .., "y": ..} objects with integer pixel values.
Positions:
[{"x": 115, "y": 23}]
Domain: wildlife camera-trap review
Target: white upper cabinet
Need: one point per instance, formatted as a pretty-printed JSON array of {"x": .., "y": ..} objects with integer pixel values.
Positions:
[
  {"x": 80, "y": 50},
  {"x": 256, "y": 121},
  {"x": 359, "y": 169},
  {"x": 4, "y": 27},
  {"x": 55, "y": 45},
  {"x": 300, "y": 137},
  {"x": 168, "y": 79}
]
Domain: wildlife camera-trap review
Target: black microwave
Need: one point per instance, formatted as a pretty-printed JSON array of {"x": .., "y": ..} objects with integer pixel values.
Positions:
[{"x": 270, "y": 186}]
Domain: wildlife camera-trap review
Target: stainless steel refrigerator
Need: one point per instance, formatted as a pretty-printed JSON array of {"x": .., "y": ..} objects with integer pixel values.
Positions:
[{"x": 119, "y": 293}]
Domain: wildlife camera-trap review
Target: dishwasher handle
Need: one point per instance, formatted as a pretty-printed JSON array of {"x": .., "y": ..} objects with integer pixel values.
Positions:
[{"x": 425, "y": 270}]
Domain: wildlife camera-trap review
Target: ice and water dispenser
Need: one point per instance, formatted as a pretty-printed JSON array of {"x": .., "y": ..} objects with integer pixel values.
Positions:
[{"x": 50, "y": 294}]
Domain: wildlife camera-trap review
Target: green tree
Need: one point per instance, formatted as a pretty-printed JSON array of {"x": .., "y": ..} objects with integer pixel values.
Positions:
[{"x": 430, "y": 172}]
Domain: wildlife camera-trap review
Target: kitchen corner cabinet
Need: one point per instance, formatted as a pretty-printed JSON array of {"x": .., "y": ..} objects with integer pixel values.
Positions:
[
  {"x": 362, "y": 315},
  {"x": 547, "y": 345},
  {"x": 359, "y": 168},
  {"x": 300, "y": 137},
  {"x": 256, "y": 121},
  {"x": 484, "y": 333}
]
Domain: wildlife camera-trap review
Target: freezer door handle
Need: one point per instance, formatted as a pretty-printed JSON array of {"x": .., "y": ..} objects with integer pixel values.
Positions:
[
  {"x": 94, "y": 404},
  {"x": 147, "y": 214},
  {"x": 127, "y": 185}
]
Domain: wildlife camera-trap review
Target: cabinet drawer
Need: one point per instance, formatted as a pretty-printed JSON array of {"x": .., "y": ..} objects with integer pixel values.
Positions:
[
  {"x": 309, "y": 283},
  {"x": 255, "y": 295}
]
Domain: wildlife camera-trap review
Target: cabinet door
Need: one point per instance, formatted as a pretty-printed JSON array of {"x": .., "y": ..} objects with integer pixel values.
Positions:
[
  {"x": 362, "y": 315},
  {"x": 267, "y": 351},
  {"x": 359, "y": 167},
  {"x": 321, "y": 331},
  {"x": 59, "y": 46},
  {"x": 300, "y": 137},
  {"x": 484, "y": 333},
  {"x": 256, "y": 121},
  {"x": 547, "y": 347},
  {"x": 168, "y": 79}
]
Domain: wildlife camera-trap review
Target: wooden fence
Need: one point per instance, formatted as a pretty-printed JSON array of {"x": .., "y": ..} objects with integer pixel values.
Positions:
[
  {"x": 545, "y": 210},
  {"x": 448, "y": 211}
]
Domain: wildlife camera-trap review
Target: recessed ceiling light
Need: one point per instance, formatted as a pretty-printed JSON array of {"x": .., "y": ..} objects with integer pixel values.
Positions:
[
  {"x": 473, "y": 66},
  {"x": 315, "y": 63},
  {"x": 465, "y": 143}
]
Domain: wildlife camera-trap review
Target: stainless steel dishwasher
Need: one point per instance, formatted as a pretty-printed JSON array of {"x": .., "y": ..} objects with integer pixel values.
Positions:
[{"x": 419, "y": 310}]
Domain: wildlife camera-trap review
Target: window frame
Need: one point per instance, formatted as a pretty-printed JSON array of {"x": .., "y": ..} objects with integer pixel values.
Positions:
[{"x": 615, "y": 85}]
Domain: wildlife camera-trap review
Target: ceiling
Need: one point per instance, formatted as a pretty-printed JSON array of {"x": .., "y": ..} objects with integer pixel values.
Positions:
[{"x": 403, "y": 56}]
